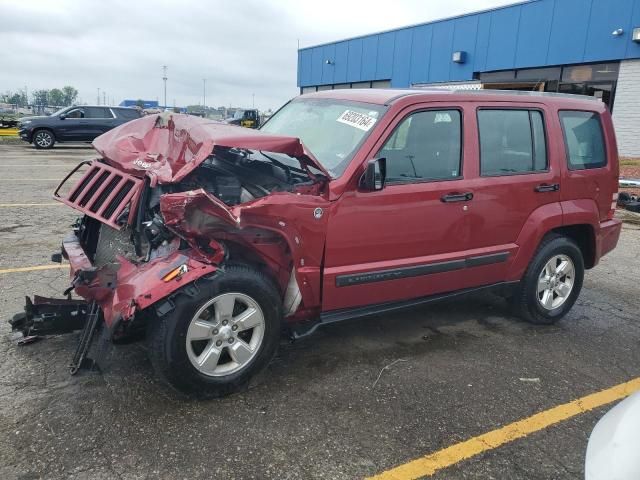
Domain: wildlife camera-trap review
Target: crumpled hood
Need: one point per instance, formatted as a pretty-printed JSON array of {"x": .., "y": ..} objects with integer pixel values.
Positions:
[{"x": 168, "y": 146}]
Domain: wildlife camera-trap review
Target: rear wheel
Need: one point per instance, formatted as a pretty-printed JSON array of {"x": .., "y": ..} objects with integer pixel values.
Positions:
[
  {"x": 43, "y": 139},
  {"x": 552, "y": 282},
  {"x": 216, "y": 340}
]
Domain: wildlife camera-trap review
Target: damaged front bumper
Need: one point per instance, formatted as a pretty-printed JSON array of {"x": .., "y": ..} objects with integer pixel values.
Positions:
[
  {"x": 123, "y": 288},
  {"x": 120, "y": 290}
]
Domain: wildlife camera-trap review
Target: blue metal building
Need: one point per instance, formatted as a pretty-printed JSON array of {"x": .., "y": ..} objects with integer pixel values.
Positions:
[
  {"x": 589, "y": 47},
  {"x": 133, "y": 103}
]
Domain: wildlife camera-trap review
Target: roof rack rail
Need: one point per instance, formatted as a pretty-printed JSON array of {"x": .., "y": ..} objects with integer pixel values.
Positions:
[{"x": 526, "y": 93}]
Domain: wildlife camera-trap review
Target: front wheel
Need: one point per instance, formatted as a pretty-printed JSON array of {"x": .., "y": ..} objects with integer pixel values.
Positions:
[
  {"x": 216, "y": 340},
  {"x": 43, "y": 139},
  {"x": 551, "y": 283}
]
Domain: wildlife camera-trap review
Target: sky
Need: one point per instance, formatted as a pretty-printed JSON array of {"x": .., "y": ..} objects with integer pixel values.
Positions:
[{"x": 243, "y": 47}]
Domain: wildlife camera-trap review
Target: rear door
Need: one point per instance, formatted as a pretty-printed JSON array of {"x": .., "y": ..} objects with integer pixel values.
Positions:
[
  {"x": 516, "y": 173},
  {"x": 99, "y": 120}
]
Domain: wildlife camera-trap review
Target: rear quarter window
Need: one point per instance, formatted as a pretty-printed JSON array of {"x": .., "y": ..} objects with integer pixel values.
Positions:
[
  {"x": 128, "y": 113},
  {"x": 583, "y": 139}
]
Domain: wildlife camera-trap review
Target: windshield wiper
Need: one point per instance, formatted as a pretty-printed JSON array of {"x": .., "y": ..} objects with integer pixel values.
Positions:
[{"x": 284, "y": 166}]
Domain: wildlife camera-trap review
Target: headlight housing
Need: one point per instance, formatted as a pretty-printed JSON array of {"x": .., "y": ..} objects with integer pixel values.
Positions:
[{"x": 24, "y": 122}]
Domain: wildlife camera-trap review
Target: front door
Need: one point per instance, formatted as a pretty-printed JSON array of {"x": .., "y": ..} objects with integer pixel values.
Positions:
[
  {"x": 73, "y": 126},
  {"x": 409, "y": 239}
]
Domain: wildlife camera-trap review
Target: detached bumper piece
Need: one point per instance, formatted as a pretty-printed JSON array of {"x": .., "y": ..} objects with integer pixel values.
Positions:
[
  {"x": 91, "y": 325},
  {"x": 53, "y": 316},
  {"x": 49, "y": 316}
]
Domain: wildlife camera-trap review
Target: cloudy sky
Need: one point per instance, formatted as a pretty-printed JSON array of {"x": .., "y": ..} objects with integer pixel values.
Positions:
[{"x": 241, "y": 47}]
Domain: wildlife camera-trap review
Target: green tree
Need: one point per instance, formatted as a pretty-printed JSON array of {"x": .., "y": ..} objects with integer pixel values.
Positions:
[
  {"x": 17, "y": 98},
  {"x": 70, "y": 95},
  {"x": 40, "y": 97},
  {"x": 56, "y": 97}
]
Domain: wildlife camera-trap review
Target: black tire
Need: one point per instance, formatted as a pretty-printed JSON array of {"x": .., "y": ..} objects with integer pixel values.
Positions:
[
  {"x": 524, "y": 301},
  {"x": 167, "y": 335},
  {"x": 43, "y": 139}
]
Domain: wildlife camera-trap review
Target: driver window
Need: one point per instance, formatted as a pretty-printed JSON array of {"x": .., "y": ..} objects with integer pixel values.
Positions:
[
  {"x": 424, "y": 146},
  {"x": 76, "y": 113}
]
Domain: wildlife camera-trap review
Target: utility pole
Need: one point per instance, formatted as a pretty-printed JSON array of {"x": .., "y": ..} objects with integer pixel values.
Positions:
[
  {"x": 204, "y": 93},
  {"x": 164, "y": 78},
  {"x": 253, "y": 100},
  {"x": 98, "y": 95},
  {"x": 104, "y": 98}
]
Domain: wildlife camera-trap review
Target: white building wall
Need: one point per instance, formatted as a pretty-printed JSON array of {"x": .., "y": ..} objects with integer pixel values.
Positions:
[{"x": 626, "y": 109}]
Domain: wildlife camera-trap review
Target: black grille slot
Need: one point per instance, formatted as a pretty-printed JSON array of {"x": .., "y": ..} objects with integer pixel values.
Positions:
[
  {"x": 105, "y": 193},
  {"x": 113, "y": 204},
  {"x": 93, "y": 189},
  {"x": 79, "y": 189}
]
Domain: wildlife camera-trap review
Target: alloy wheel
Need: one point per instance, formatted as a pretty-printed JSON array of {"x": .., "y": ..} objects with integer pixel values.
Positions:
[
  {"x": 555, "y": 282},
  {"x": 43, "y": 139},
  {"x": 225, "y": 334}
]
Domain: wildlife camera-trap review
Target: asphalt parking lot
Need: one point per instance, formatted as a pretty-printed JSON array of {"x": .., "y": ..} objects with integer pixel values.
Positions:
[{"x": 327, "y": 407}]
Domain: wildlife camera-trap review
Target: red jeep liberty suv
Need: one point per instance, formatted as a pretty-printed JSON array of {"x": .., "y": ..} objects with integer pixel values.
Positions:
[{"x": 210, "y": 239}]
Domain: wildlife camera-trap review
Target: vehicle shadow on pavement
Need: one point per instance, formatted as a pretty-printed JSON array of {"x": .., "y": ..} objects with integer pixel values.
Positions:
[{"x": 405, "y": 334}]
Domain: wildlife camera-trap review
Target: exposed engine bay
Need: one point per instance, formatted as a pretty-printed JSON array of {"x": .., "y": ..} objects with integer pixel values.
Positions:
[
  {"x": 237, "y": 175},
  {"x": 232, "y": 175}
]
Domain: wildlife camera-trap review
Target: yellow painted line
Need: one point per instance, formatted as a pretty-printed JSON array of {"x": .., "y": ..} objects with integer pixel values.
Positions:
[
  {"x": 433, "y": 462},
  {"x": 33, "y": 269},
  {"x": 9, "y": 205}
]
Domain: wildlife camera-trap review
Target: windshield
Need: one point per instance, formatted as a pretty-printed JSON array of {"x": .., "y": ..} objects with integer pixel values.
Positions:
[
  {"x": 62, "y": 110},
  {"x": 238, "y": 114},
  {"x": 331, "y": 129}
]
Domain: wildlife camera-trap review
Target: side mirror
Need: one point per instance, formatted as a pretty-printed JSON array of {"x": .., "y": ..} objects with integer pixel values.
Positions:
[
  {"x": 62, "y": 116},
  {"x": 375, "y": 175}
]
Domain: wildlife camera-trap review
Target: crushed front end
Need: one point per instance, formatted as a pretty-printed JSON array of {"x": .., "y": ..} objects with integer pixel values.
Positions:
[{"x": 168, "y": 202}]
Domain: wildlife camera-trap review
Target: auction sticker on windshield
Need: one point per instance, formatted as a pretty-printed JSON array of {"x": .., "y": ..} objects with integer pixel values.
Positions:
[{"x": 357, "y": 120}]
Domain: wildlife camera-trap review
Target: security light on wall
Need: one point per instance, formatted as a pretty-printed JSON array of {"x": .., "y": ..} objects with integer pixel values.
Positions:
[
  {"x": 635, "y": 36},
  {"x": 329, "y": 62},
  {"x": 459, "y": 57},
  {"x": 617, "y": 32}
]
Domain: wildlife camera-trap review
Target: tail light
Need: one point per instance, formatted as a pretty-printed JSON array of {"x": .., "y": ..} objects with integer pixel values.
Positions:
[{"x": 103, "y": 193}]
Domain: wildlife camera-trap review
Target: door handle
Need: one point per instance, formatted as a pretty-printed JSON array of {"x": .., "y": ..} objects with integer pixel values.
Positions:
[
  {"x": 456, "y": 197},
  {"x": 547, "y": 187}
]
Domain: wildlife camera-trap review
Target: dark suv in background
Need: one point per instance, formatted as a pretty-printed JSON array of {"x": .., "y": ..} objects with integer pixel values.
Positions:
[{"x": 73, "y": 124}]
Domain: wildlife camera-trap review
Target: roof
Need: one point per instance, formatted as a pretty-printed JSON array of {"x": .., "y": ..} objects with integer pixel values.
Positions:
[
  {"x": 101, "y": 106},
  {"x": 387, "y": 96}
]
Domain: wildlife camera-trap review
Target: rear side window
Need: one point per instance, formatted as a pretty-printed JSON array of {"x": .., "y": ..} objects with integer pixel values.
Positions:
[
  {"x": 583, "y": 140},
  {"x": 424, "y": 146},
  {"x": 511, "y": 142},
  {"x": 128, "y": 113},
  {"x": 97, "y": 112}
]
